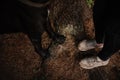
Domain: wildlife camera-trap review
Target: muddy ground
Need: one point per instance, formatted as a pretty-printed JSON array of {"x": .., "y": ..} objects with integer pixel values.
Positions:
[{"x": 19, "y": 61}]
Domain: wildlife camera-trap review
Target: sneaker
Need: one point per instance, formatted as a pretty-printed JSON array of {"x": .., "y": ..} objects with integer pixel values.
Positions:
[
  {"x": 89, "y": 63},
  {"x": 88, "y": 45},
  {"x": 100, "y": 45}
]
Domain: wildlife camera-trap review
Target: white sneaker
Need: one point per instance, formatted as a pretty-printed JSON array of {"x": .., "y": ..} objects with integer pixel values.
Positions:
[
  {"x": 89, "y": 63},
  {"x": 100, "y": 45},
  {"x": 89, "y": 44}
]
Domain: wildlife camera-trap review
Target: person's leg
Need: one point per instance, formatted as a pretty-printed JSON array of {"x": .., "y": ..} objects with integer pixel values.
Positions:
[
  {"x": 99, "y": 33},
  {"x": 111, "y": 45},
  {"x": 98, "y": 18},
  {"x": 97, "y": 42}
]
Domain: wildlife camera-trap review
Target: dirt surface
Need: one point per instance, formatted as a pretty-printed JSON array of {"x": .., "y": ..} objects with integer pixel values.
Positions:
[
  {"x": 19, "y": 61},
  {"x": 72, "y": 18}
]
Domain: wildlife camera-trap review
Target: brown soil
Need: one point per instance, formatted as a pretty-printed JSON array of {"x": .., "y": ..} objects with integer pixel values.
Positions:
[{"x": 19, "y": 61}]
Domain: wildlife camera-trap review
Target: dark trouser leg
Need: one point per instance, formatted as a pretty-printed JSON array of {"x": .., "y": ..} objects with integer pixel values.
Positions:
[
  {"x": 111, "y": 45},
  {"x": 99, "y": 33},
  {"x": 98, "y": 17},
  {"x": 36, "y": 41}
]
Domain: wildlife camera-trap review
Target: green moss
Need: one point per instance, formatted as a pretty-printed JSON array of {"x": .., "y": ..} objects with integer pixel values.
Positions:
[{"x": 90, "y": 3}]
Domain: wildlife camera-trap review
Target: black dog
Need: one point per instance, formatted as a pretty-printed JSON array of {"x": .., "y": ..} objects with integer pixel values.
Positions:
[{"x": 30, "y": 18}]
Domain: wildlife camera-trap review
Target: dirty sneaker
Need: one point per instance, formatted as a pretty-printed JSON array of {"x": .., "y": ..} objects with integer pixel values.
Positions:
[
  {"x": 89, "y": 44},
  {"x": 89, "y": 63},
  {"x": 100, "y": 45}
]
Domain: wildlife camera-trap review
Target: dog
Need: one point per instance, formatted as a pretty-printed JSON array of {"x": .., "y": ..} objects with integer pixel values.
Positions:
[{"x": 31, "y": 18}]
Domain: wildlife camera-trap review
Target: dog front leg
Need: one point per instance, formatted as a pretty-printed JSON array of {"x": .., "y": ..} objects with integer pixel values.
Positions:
[{"x": 36, "y": 41}]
